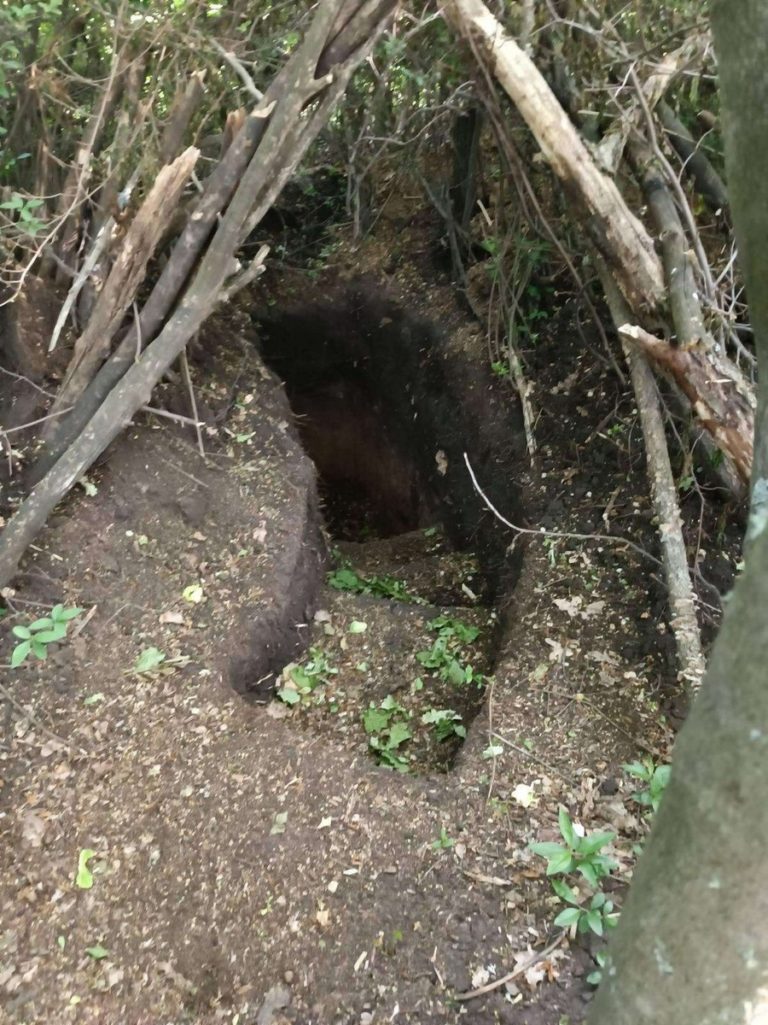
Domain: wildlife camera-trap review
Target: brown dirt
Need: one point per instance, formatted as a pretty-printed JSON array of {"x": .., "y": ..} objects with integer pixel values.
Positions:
[{"x": 249, "y": 870}]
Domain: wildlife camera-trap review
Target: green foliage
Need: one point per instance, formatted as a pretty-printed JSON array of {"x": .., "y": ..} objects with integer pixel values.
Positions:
[
  {"x": 445, "y": 722},
  {"x": 149, "y": 660},
  {"x": 36, "y": 636},
  {"x": 655, "y": 777},
  {"x": 84, "y": 877},
  {"x": 446, "y": 656},
  {"x": 578, "y": 853},
  {"x": 303, "y": 679},
  {"x": 444, "y": 842},
  {"x": 347, "y": 579},
  {"x": 602, "y": 958},
  {"x": 21, "y": 209},
  {"x": 388, "y": 730},
  {"x": 596, "y": 916}
]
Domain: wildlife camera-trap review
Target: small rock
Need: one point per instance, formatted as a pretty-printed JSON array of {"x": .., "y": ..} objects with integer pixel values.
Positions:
[{"x": 288, "y": 976}]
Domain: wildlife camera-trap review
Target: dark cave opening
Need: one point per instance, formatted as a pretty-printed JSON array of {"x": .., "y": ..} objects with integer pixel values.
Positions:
[{"x": 386, "y": 409}]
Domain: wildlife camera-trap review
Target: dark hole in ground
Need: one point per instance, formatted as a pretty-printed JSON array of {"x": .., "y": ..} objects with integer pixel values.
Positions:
[
  {"x": 386, "y": 411},
  {"x": 369, "y": 487}
]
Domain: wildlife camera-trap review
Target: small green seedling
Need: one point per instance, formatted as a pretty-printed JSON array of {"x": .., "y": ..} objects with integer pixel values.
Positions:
[
  {"x": 444, "y": 842},
  {"x": 36, "y": 636},
  {"x": 578, "y": 854},
  {"x": 446, "y": 723},
  {"x": 596, "y": 977},
  {"x": 84, "y": 877},
  {"x": 655, "y": 777},
  {"x": 597, "y": 916},
  {"x": 446, "y": 655}
]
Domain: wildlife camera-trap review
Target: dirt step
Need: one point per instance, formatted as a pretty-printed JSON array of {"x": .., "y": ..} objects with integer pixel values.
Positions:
[
  {"x": 423, "y": 561},
  {"x": 403, "y": 681}
]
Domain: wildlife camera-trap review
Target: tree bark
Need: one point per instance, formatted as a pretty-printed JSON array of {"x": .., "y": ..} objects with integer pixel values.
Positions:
[
  {"x": 692, "y": 943},
  {"x": 125, "y": 277},
  {"x": 707, "y": 181},
  {"x": 682, "y": 601}
]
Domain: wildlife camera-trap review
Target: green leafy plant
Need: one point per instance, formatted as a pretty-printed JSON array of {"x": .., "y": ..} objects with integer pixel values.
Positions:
[
  {"x": 446, "y": 654},
  {"x": 445, "y": 722},
  {"x": 23, "y": 210},
  {"x": 36, "y": 636},
  {"x": 347, "y": 579},
  {"x": 578, "y": 854},
  {"x": 655, "y": 777},
  {"x": 596, "y": 916},
  {"x": 444, "y": 842},
  {"x": 304, "y": 679},
  {"x": 388, "y": 729}
]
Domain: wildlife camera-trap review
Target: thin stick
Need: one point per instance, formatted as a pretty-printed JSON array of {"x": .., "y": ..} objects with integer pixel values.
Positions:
[
  {"x": 541, "y": 532},
  {"x": 192, "y": 401},
  {"x": 536, "y": 956},
  {"x": 33, "y": 423},
  {"x": 177, "y": 417},
  {"x": 240, "y": 70},
  {"x": 535, "y": 758}
]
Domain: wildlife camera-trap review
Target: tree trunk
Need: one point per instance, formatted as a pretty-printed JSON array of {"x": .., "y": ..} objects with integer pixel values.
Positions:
[{"x": 692, "y": 944}]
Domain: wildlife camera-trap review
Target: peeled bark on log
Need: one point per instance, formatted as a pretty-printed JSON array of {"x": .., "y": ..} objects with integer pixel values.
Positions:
[
  {"x": 717, "y": 398},
  {"x": 682, "y": 602},
  {"x": 125, "y": 277},
  {"x": 618, "y": 235}
]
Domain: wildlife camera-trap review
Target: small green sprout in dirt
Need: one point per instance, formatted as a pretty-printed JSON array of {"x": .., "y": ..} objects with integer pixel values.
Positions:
[
  {"x": 97, "y": 952},
  {"x": 655, "y": 777},
  {"x": 596, "y": 977},
  {"x": 444, "y": 842},
  {"x": 446, "y": 723},
  {"x": 596, "y": 916},
  {"x": 302, "y": 680},
  {"x": 347, "y": 579},
  {"x": 149, "y": 660},
  {"x": 387, "y": 728},
  {"x": 580, "y": 852},
  {"x": 84, "y": 877},
  {"x": 36, "y": 636},
  {"x": 500, "y": 368}
]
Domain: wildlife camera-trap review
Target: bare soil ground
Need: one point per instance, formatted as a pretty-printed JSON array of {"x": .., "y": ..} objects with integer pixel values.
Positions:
[{"x": 249, "y": 866}]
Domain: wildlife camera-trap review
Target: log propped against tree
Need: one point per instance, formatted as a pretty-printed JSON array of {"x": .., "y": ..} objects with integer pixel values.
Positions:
[{"x": 249, "y": 179}]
